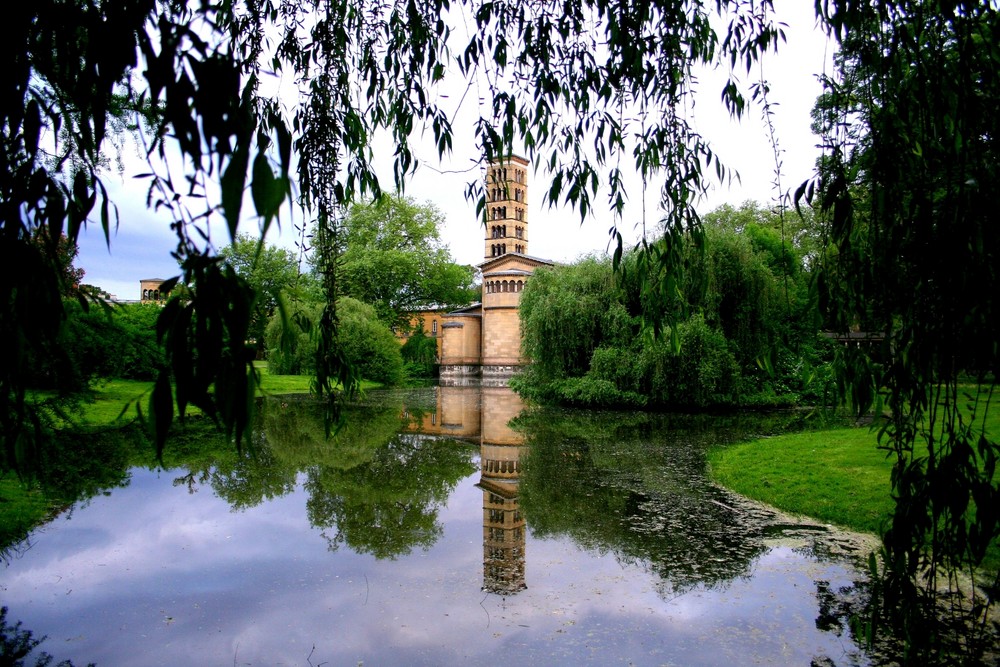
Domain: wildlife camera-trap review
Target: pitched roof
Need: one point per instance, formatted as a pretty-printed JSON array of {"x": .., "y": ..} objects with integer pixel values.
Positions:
[{"x": 495, "y": 261}]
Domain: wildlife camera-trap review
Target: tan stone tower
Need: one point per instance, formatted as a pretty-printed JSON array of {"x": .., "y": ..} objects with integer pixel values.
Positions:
[
  {"x": 485, "y": 340},
  {"x": 506, "y": 208}
]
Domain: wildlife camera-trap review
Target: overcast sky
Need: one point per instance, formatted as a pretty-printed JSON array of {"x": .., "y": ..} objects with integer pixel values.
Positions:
[{"x": 142, "y": 244}]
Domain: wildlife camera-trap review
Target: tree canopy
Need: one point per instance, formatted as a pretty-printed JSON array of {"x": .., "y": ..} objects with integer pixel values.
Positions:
[
  {"x": 909, "y": 181},
  {"x": 270, "y": 271},
  {"x": 394, "y": 259}
]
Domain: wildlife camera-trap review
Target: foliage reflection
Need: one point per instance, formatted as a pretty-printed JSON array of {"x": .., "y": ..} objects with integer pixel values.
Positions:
[{"x": 634, "y": 485}]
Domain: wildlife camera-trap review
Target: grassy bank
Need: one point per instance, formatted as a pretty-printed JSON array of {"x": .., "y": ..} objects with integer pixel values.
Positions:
[{"x": 837, "y": 476}]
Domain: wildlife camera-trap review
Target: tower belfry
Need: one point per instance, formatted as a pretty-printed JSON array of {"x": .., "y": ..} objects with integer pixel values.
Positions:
[
  {"x": 484, "y": 340},
  {"x": 506, "y": 207}
]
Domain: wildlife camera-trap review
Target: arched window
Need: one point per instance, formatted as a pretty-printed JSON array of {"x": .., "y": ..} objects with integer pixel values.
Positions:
[
  {"x": 503, "y": 231},
  {"x": 520, "y": 285},
  {"x": 503, "y": 248},
  {"x": 503, "y": 212},
  {"x": 503, "y": 286},
  {"x": 156, "y": 295}
]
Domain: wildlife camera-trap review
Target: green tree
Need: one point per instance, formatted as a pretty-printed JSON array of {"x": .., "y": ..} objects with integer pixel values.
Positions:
[
  {"x": 909, "y": 184},
  {"x": 394, "y": 259},
  {"x": 270, "y": 271},
  {"x": 420, "y": 353},
  {"x": 62, "y": 252},
  {"x": 117, "y": 342},
  {"x": 569, "y": 311}
]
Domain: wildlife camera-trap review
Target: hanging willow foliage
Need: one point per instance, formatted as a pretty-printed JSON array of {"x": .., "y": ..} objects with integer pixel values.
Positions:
[{"x": 909, "y": 181}]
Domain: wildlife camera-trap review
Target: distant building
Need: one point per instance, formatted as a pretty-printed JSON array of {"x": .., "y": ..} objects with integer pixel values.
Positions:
[
  {"x": 484, "y": 340},
  {"x": 150, "y": 290}
]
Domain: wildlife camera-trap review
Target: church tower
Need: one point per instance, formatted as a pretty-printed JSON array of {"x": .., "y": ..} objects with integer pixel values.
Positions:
[
  {"x": 506, "y": 208},
  {"x": 484, "y": 340}
]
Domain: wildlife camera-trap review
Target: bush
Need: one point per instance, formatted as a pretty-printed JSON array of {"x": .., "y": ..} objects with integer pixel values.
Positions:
[
  {"x": 591, "y": 392},
  {"x": 702, "y": 373},
  {"x": 615, "y": 365},
  {"x": 420, "y": 354},
  {"x": 115, "y": 343},
  {"x": 291, "y": 350},
  {"x": 368, "y": 344}
]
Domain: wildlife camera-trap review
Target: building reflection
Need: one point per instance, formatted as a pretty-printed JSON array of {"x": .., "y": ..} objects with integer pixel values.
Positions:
[{"x": 484, "y": 414}]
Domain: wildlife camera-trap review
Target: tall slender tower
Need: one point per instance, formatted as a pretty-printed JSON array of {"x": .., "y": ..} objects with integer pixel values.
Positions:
[{"x": 506, "y": 207}]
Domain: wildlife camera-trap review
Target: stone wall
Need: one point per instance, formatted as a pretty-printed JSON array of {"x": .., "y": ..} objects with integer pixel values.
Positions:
[{"x": 501, "y": 336}]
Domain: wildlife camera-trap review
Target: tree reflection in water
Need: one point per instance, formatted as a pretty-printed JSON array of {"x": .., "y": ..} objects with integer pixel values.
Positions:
[
  {"x": 634, "y": 485},
  {"x": 370, "y": 487},
  {"x": 398, "y": 478},
  {"x": 388, "y": 505}
]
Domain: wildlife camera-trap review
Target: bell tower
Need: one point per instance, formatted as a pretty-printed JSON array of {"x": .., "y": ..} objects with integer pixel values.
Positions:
[{"x": 506, "y": 207}]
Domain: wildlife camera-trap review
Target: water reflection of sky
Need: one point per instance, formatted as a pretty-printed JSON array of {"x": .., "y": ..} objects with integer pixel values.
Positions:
[{"x": 155, "y": 575}]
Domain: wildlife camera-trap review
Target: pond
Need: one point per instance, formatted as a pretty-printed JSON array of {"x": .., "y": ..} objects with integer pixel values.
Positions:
[{"x": 441, "y": 526}]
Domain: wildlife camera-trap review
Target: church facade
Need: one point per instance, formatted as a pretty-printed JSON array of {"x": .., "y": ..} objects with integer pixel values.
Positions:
[{"x": 484, "y": 340}]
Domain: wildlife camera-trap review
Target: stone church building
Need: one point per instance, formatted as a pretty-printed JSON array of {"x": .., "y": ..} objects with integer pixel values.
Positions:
[{"x": 484, "y": 339}]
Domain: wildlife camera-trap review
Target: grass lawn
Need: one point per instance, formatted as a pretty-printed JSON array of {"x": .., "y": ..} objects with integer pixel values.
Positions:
[
  {"x": 117, "y": 398},
  {"x": 836, "y": 476}
]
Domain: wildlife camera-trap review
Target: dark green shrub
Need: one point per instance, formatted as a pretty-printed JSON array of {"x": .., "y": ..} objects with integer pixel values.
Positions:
[
  {"x": 615, "y": 365},
  {"x": 592, "y": 392},
  {"x": 368, "y": 344},
  {"x": 291, "y": 350},
  {"x": 702, "y": 373},
  {"x": 420, "y": 354},
  {"x": 118, "y": 342}
]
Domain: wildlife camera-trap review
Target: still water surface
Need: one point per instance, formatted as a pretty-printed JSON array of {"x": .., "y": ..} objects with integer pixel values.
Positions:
[{"x": 435, "y": 531}]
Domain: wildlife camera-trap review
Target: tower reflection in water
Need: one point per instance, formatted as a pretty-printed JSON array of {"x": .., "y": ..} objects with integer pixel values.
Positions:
[{"x": 483, "y": 414}]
